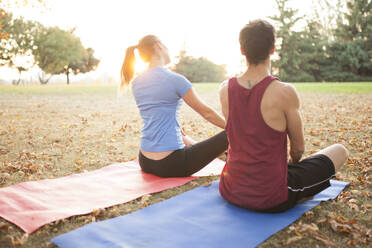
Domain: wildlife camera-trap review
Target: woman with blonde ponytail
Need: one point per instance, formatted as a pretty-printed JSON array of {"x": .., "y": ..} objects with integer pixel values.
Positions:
[{"x": 165, "y": 150}]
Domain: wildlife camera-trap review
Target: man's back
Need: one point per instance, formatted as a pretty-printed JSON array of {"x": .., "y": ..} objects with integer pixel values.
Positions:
[
  {"x": 280, "y": 111},
  {"x": 255, "y": 175}
]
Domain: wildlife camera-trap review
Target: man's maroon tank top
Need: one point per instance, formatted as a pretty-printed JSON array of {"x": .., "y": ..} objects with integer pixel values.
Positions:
[{"x": 255, "y": 174}]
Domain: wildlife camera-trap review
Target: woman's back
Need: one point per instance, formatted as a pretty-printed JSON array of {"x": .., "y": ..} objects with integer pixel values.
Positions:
[{"x": 158, "y": 94}]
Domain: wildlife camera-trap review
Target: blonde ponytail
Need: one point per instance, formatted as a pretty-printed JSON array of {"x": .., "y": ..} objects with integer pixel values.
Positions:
[{"x": 127, "y": 69}]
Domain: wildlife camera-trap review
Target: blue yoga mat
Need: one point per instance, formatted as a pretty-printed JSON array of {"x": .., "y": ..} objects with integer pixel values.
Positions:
[{"x": 197, "y": 218}]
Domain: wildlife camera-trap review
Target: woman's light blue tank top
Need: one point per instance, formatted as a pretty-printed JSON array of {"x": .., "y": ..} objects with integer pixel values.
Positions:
[{"x": 158, "y": 93}]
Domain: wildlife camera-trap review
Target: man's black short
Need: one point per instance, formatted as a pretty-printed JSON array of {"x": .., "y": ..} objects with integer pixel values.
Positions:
[{"x": 306, "y": 178}]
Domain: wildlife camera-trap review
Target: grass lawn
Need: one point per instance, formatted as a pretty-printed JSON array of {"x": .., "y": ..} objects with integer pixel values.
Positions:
[
  {"x": 357, "y": 87},
  {"x": 61, "y": 130}
]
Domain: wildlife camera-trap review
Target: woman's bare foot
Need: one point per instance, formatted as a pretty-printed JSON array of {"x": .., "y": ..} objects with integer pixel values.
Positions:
[{"x": 187, "y": 139}]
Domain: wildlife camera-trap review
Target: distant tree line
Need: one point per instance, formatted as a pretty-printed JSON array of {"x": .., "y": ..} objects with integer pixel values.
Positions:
[
  {"x": 335, "y": 44},
  {"x": 336, "y": 47},
  {"x": 199, "y": 69},
  {"x": 24, "y": 44}
]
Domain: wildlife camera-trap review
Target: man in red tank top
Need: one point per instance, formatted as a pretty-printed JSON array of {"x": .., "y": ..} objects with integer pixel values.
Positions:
[{"x": 261, "y": 112}]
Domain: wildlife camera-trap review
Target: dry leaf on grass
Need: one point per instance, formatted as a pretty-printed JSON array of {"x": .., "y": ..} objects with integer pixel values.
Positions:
[
  {"x": 123, "y": 128},
  {"x": 145, "y": 200},
  {"x": 321, "y": 220},
  {"x": 17, "y": 241},
  {"x": 325, "y": 240},
  {"x": 97, "y": 212},
  {"x": 207, "y": 184},
  {"x": 4, "y": 227},
  {"x": 353, "y": 206},
  {"x": 308, "y": 227},
  {"x": 293, "y": 239},
  {"x": 343, "y": 220},
  {"x": 337, "y": 227},
  {"x": 309, "y": 214}
]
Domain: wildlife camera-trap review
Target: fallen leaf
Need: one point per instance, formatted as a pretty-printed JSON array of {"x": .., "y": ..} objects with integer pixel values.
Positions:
[
  {"x": 123, "y": 128},
  {"x": 321, "y": 220},
  {"x": 145, "y": 199},
  {"x": 309, "y": 214},
  {"x": 354, "y": 207},
  {"x": 293, "y": 239},
  {"x": 337, "y": 227},
  {"x": 97, "y": 212},
  {"x": 4, "y": 227},
  {"x": 20, "y": 241},
  {"x": 308, "y": 227},
  {"x": 343, "y": 220},
  {"x": 325, "y": 240},
  {"x": 207, "y": 184},
  {"x": 352, "y": 243},
  {"x": 369, "y": 233},
  {"x": 78, "y": 161},
  {"x": 10, "y": 239}
]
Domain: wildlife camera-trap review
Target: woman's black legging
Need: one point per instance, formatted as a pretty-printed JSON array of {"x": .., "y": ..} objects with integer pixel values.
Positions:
[{"x": 188, "y": 160}]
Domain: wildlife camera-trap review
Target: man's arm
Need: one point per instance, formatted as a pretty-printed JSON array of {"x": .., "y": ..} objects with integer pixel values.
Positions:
[
  {"x": 224, "y": 98},
  {"x": 294, "y": 123}
]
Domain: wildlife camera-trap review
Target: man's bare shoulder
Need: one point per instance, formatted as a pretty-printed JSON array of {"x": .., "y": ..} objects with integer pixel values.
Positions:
[
  {"x": 223, "y": 86},
  {"x": 285, "y": 92},
  {"x": 283, "y": 86},
  {"x": 284, "y": 89}
]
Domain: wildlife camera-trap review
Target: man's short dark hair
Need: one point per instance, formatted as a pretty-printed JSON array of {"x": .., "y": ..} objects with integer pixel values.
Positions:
[{"x": 257, "y": 39}]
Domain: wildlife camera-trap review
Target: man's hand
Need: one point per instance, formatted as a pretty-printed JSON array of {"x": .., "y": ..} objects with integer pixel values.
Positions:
[{"x": 295, "y": 156}]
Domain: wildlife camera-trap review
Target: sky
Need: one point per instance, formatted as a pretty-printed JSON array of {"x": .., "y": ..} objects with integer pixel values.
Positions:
[{"x": 208, "y": 28}]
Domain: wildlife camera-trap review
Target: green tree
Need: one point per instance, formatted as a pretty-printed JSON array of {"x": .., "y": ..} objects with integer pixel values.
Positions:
[
  {"x": 288, "y": 64},
  {"x": 199, "y": 69},
  {"x": 311, "y": 48},
  {"x": 343, "y": 61},
  {"x": 354, "y": 34},
  {"x": 357, "y": 21},
  {"x": 6, "y": 4},
  {"x": 87, "y": 64},
  {"x": 56, "y": 49},
  {"x": 16, "y": 47},
  {"x": 318, "y": 52},
  {"x": 327, "y": 14}
]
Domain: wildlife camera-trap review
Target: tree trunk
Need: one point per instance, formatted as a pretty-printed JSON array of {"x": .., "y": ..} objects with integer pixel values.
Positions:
[
  {"x": 44, "y": 81},
  {"x": 68, "y": 78},
  {"x": 19, "y": 79}
]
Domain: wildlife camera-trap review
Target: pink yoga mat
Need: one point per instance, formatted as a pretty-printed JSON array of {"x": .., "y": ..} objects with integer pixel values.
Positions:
[{"x": 31, "y": 205}]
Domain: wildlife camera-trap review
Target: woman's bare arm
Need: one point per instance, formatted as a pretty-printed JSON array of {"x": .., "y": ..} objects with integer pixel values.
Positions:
[{"x": 208, "y": 113}]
